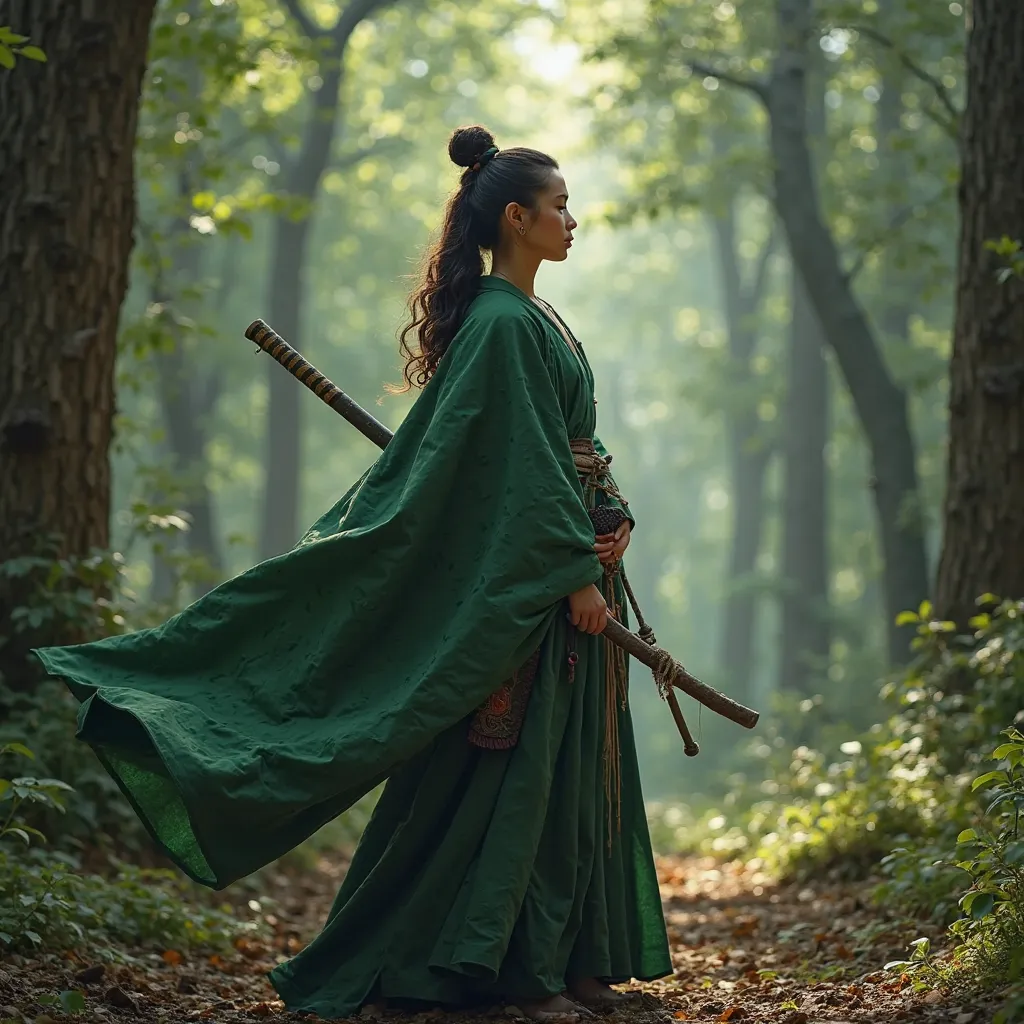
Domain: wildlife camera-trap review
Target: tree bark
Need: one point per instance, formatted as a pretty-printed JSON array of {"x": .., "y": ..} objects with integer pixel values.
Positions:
[
  {"x": 67, "y": 207},
  {"x": 983, "y": 543},
  {"x": 880, "y": 403},
  {"x": 187, "y": 398},
  {"x": 805, "y": 634},
  {"x": 748, "y": 456},
  {"x": 301, "y": 179}
]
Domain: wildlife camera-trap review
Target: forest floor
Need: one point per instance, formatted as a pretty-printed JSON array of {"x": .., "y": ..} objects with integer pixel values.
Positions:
[{"x": 744, "y": 950}]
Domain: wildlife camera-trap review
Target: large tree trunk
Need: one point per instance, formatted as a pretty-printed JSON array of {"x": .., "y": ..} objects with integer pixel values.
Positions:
[
  {"x": 804, "y": 636},
  {"x": 748, "y": 457},
  {"x": 67, "y": 206},
  {"x": 880, "y": 403},
  {"x": 983, "y": 545},
  {"x": 301, "y": 180}
]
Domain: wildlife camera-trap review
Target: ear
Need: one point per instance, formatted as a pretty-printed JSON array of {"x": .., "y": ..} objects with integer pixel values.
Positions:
[{"x": 516, "y": 216}]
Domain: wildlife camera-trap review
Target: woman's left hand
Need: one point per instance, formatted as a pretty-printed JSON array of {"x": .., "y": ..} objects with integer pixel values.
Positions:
[{"x": 610, "y": 547}]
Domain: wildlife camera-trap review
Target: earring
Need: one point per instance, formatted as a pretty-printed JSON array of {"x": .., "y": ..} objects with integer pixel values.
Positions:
[{"x": 522, "y": 229}]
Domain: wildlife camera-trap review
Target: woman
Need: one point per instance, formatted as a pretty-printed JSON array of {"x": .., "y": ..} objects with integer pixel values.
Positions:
[{"x": 419, "y": 634}]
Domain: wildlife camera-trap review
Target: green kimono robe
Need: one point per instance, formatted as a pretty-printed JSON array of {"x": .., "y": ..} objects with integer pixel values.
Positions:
[{"x": 266, "y": 708}]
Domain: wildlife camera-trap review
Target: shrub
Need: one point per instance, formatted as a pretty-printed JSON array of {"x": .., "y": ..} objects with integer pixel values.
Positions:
[{"x": 47, "y": 903}]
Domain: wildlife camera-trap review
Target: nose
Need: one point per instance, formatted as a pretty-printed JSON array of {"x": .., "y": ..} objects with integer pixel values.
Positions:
[{"x": 571, "y": 223}]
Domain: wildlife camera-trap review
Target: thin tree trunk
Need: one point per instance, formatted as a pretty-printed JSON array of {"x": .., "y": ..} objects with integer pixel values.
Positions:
[
  {"x": 805, "y": 634},
  {"x": 880, "y": 403},
  {"x": 184, "y": 400},
  {"x": 748, "y": 457},
  {"x": 280, "y": 519},
  {"x": 67, "y": 207},
  {"x": 983, "y": 544}
]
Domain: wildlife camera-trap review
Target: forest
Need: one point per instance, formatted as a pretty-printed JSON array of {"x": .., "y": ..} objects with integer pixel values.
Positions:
[{"x": 799, "y": 277}]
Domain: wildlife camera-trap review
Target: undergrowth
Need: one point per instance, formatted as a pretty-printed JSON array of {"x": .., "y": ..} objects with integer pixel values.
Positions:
[{"x": 913, "y": 802}]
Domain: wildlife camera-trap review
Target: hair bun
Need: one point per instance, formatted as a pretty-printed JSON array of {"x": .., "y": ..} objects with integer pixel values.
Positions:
[{"x": 466, "y": 144}]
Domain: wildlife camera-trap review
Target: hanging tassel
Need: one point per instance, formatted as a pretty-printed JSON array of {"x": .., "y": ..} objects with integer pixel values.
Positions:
[{"x": 615, "y": 698}]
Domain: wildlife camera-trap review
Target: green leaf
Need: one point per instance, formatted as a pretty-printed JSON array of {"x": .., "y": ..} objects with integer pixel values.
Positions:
[
  {"x": 1005, "y": 750},
  {"x": 978, "y": 904},
  {"x": 32, "y": 53},
  {"x": 1015, "y": 852},
  {"x": 72, "y": 1000},
  {"x": 7, "y": 36},
  {"x": 984, "y": 780},
  {"x": 907, "y": 618},
  {"x": 20, "y": 833},
  {"x": 6, "y": 56},
  {"x": 17, "y": 748},
  {"x": 33, "y": 937},
  {"x": 967, "y": 835}
]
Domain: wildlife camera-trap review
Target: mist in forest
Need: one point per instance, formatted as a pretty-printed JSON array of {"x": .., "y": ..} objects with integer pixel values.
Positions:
[{"x": 785, "y": 473}]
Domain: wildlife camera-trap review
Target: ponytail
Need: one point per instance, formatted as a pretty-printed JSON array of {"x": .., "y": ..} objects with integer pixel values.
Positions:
[{"x": 454, "y": 264}]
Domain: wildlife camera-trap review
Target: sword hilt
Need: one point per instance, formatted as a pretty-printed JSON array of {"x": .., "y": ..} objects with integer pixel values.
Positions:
[
  {"x": 266, "y": 338},
  {"x": 263, "y": 335}
]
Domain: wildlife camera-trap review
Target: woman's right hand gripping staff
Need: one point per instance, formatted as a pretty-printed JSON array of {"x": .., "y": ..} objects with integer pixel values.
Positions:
[{"x": 588, "y": 610}]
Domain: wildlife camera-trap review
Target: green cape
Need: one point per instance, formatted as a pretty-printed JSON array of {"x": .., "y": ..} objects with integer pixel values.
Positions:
[{"x": 266, "y": 708}]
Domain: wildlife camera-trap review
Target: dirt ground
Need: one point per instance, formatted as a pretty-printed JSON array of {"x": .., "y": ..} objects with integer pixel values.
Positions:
[{"x": 743, "y": 950}]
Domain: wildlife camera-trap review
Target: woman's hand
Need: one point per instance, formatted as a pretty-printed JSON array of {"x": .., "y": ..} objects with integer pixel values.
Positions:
[
  {"x": 610, "y": 547},
  {"x": 588, "y": 609}
]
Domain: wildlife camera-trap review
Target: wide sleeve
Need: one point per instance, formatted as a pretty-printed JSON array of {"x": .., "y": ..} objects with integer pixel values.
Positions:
[
  {"x": 264, "y": 709},
  {"x": 609, "y": 499}
]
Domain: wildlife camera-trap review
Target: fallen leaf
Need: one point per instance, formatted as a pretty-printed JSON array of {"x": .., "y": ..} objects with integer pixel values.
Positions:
[
  {"x": 935, "y": 996},
  {"x": 90, "y": 975},
  {"x": 733, "y": 1013},
  {"x": 116, "y": 996},
  {"x": 172, "y": 957},
  {"x": 680, "y": 1015}
]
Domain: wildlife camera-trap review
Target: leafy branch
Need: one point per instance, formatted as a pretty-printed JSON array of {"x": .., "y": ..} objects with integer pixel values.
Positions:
[{"x": 12, "y": 45}]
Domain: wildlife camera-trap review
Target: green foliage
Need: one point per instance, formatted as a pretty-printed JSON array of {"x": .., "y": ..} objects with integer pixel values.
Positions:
[
  {"x": 1012, "y": 252},
  {"x": 46, "y": 902},
  {"x": 13, "y": 46},
  {"x": 22, "y": 790},
  {"x": 904, "y": 784},
  {"x": 989, "y": 937}
]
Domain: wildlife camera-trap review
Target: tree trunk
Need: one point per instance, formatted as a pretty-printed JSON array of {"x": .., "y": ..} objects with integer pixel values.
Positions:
[
  {"x": 880, "y": 403},
  {"x": 983, "y": 543},
  {"x": 187, "y": 397},
  {"x": 748, "y": 459},
  {"x": 280, "y": 522},
  {"x": 804, "y": 638},
  {"x": 67, "y": 207}
]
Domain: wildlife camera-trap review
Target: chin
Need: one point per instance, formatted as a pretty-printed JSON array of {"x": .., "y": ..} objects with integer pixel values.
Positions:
[{"x": 559, "y": 257}]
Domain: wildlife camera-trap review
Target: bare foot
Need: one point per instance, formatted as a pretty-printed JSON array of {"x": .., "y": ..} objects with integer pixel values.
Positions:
[
  {"x": 597, "y": 994},
  {"x": 553, "y": 1010}
]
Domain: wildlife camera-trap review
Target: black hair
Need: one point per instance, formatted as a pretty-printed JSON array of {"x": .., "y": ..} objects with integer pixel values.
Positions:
[{"x": 472, "y": 223}]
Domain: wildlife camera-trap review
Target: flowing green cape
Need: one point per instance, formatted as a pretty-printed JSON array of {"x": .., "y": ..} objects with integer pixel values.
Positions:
[{"x": 266, "y": 708}]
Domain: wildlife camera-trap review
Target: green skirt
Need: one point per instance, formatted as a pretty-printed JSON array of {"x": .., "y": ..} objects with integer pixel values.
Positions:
[{"x": 489, "y": 874}]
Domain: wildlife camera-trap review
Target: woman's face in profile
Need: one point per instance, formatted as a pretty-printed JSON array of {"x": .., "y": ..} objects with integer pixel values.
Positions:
[{"x": 550, "y": 233}]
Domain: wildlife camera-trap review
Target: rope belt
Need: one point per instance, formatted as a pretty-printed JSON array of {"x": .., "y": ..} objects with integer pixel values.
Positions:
[{"x": 595, "y": 476}]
